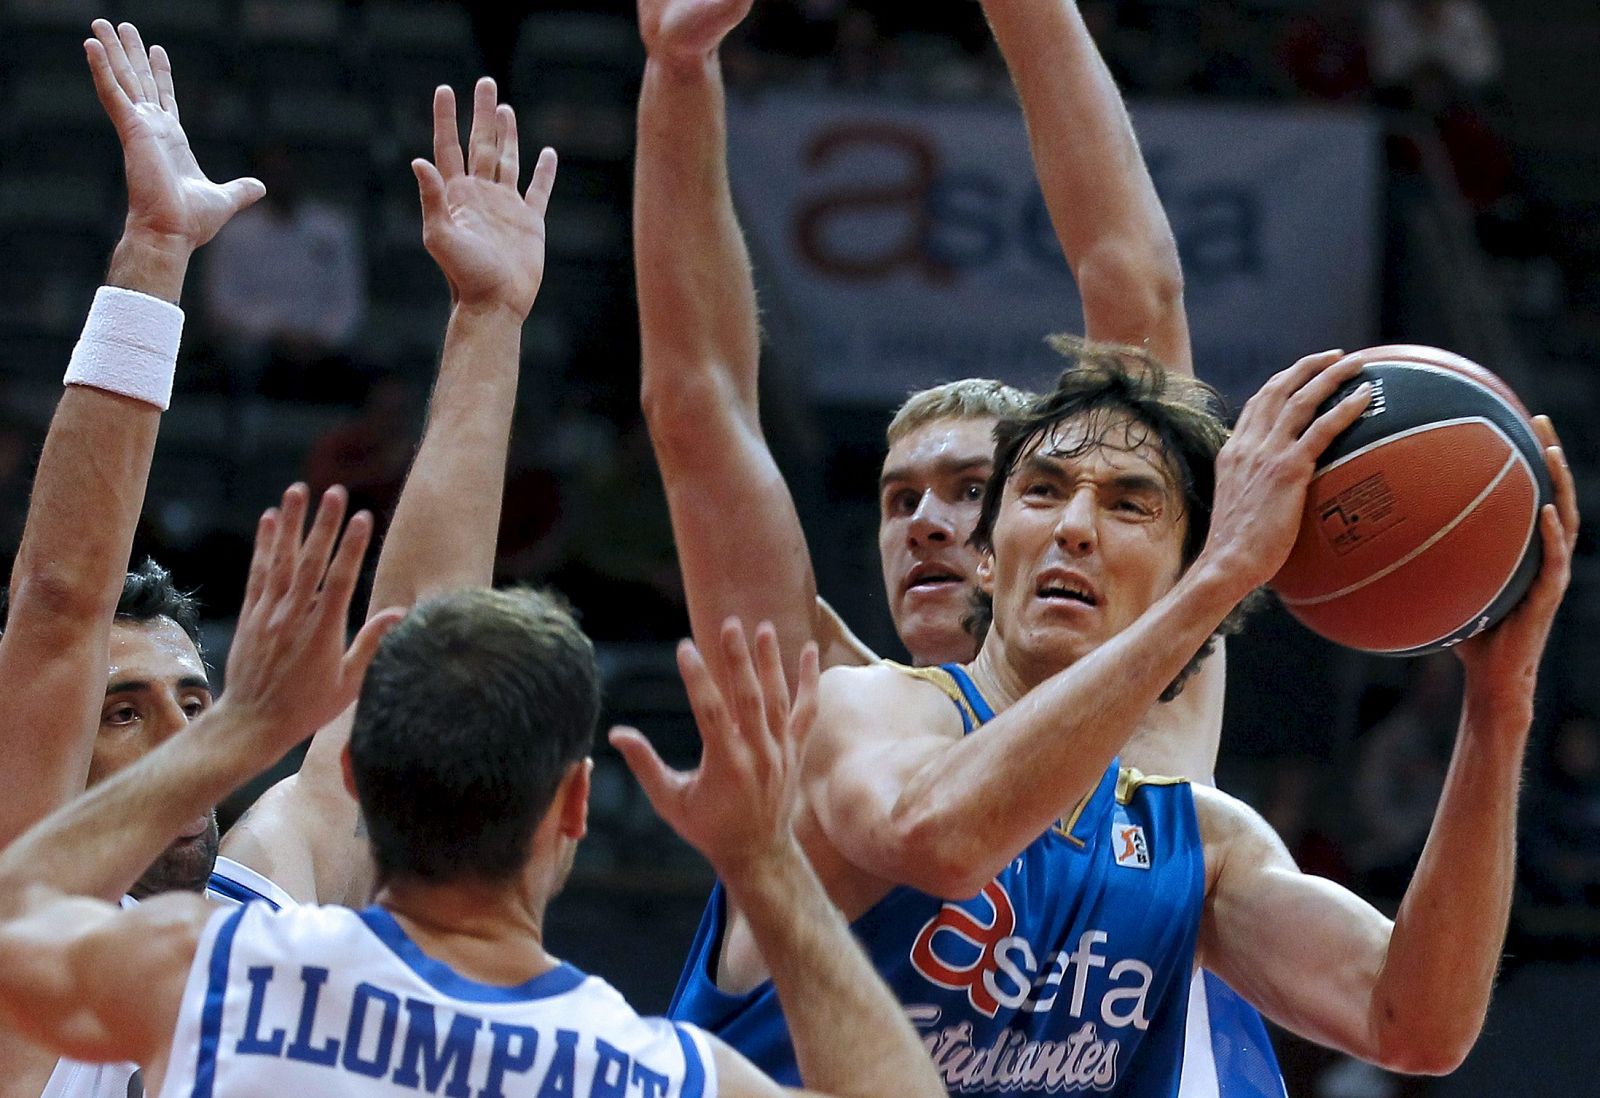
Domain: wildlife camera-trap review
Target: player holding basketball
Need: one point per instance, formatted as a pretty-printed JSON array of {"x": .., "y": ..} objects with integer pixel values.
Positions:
[
  {"x": 444, "y": 984},
  {"x": 701, "y": 349},
  {"x": 303, "y": 842}
]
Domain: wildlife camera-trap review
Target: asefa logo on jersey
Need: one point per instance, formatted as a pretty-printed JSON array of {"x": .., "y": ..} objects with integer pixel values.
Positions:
[{"x": 1128, "y": 843}]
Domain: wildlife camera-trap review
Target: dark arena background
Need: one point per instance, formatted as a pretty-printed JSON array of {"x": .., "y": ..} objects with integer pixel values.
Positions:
[{"x": 1329, "y": 185}]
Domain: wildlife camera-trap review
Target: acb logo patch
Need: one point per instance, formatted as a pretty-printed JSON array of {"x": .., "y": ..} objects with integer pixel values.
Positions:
[{"x": 1128, "y": 843}]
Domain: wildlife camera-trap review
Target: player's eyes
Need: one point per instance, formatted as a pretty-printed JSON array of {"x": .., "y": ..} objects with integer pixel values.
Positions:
[
  {"x": 122, "y": 714},
  {"x": 972, "y": 490}
]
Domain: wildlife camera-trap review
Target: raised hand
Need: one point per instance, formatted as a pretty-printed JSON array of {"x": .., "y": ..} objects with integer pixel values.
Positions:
[
  {"x": 289, "y": 670},
  {"x": 686, "y": 30},
  {"x": 738, "y": 805},
  {"x": 1510, "y": 652},
  {"x": 170, "y": 200},
  {"x": 486, "y": 237},
  {"x": 1265, "y": 470}
]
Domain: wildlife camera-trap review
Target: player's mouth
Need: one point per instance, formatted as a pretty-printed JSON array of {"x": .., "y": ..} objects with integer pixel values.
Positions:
[
  {"x": 1060, "y": 586},
  {"x": 931, "y": 577}
]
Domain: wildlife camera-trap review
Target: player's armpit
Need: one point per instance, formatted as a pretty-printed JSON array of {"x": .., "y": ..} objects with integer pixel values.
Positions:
[
  {"x": 878, "y": 733},
  {"x": 277, "y": 837},
  {"x": 92, "y": 982},
  {"x": 1303, "y": 950}
]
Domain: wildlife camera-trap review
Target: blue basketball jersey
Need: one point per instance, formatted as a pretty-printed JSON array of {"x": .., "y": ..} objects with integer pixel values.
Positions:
[
  {"x": 1068, "y": 973},
  {"x": 1228, "y": 1053}
]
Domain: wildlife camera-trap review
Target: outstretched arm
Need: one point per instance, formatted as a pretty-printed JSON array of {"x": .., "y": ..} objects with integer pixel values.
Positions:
[
  {"x": 90, "y": 484},
  {"x": 1410, "y": 995},
  {"x": 1096, "y": 186},
  {"x": 85, "y": 980},
  {"x": 850, "y": 1035},
  {"x": 488, "y": 239},
  {"x": 701, "y": 343}
]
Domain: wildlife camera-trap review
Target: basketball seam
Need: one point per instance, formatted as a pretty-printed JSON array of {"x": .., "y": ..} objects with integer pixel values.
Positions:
[
  {"x": 1407, "y": 433},
  {"x": 1432, "y": 540},
  {"x": 1533, "y": 525}
]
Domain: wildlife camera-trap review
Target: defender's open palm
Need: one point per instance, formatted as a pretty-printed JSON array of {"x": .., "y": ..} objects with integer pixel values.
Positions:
[
  {"x": 738, "y": 806},
  {"x": 688, "y": 29},
  {"x": 288, "y": 667},
  {"x": 169, "y": 197},
  {"x": 486, "y": 237}
]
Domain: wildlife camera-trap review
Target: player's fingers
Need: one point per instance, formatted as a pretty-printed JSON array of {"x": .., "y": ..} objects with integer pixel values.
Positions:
[
  {"x": 117, "y": 57},
  {"x": 339, "y": 586},
  {"x": 139, "y": 61},
  {"x": 1300, "y": 408},
  {"x": 661, "y": 784},
  {"x": 1327, "y": 427},
  {"x": 1264, "y": 409},
  {"x": 544, "y": 178},
  {"x": 509, "y": 167},
  {"x": 481, "y": 138},
  {"x": 1566, "y": 492},
  {"x": 803, "y": 713},
  {"x": 739, "y": 674},
  {"x": 317, "y": 549},
  {"x": 358, "y": 657},
  {"x": 446, "y": 134},
  {"x": 717, "y": 735},
  {"x": 161, "y": 66},
  {"x": 260, "y": 556},
  {"x": 285, "y": 546},
  {"x": 106, "y": 86},
  {"x": 774, "y": 684}
]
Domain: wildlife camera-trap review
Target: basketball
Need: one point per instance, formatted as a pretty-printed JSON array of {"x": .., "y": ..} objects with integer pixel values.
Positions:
[{"x": 1421, "y": 524}]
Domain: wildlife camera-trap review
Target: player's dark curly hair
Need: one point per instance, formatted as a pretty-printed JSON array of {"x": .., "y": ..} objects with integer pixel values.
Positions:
[
  {"x": 1131, "y": 400},
  {"x": 470, "y": 715},
  {"x": 148, "y": 593}
]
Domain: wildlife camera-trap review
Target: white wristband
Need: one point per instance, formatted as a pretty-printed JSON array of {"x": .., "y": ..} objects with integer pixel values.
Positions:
[{"x": 129, "y": 346}]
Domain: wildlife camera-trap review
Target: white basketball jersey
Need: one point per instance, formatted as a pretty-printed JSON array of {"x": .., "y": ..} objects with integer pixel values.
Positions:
[
  {"x": 325, "y": 1000},
  {"x": 231, "y": 885}
]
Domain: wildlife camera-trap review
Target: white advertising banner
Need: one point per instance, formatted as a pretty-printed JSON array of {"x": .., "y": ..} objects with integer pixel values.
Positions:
[{"x": 905, "y": 244}]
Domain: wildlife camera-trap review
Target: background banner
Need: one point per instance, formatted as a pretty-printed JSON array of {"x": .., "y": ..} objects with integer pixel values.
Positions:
[{"x": 902, "y": 244}]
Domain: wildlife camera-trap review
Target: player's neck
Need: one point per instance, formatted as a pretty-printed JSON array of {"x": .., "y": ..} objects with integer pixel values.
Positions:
[{"x": 489, "y": 932}]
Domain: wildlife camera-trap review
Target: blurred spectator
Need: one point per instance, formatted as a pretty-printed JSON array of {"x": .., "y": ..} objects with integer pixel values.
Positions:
[
  {"x": 1453, "y": 37},
  {"x": 1323, "y": 54},
  {"x": 285, "y": 290},
  {"x": 1563, "y": 833},
  {"x": 1399, "y": 775},
  {"x": 370, "y": 453}
]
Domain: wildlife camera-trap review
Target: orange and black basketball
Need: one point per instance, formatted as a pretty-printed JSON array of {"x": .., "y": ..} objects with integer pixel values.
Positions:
[{"x": 1421, "y": 526}]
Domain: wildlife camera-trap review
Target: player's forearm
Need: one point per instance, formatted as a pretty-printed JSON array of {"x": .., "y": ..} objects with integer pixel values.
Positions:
[
  {"x": 99, "y": 844},
  {"x": 447, "y": 520},
  {"x": 697, "y": 303},
  {"x": 850, "y": 1035},
  {"x": 986, "y": 798},
  {"x": 1433, "y": 991},
  {"x": 1096, "y": 186}
]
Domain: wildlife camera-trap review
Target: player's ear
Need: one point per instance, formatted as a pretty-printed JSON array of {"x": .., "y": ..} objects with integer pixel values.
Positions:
[
  {"x": 575, "y": 800},
  {"x": 985, "y": 575}
]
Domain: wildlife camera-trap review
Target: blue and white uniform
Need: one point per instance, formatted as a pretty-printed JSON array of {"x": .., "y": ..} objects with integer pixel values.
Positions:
[
  {"x": 1227, "y": 1053},
  {"x": 231, "y": 884},
  {"x": 325, "y": 1000},
  {"x": 1068, "y": 974}
]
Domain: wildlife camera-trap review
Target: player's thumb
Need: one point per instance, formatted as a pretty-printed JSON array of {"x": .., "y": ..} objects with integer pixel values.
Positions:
[
  {"x": 656, "y": 778},
  {"x": 244, "y": 191},
  {"x": 353, "y": 668},
  {"x": 430, "y": 185}
]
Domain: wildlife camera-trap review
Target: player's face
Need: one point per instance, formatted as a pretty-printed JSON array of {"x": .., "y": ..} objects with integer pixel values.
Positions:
[
  {"x": 928, "y": 499},
  {"x": 1089, "y": 534},
  {"x": 156, "y": 685}
]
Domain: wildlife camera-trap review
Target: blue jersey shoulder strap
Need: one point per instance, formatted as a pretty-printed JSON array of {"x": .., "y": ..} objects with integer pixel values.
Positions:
[{"x": 954, "y": 682}]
